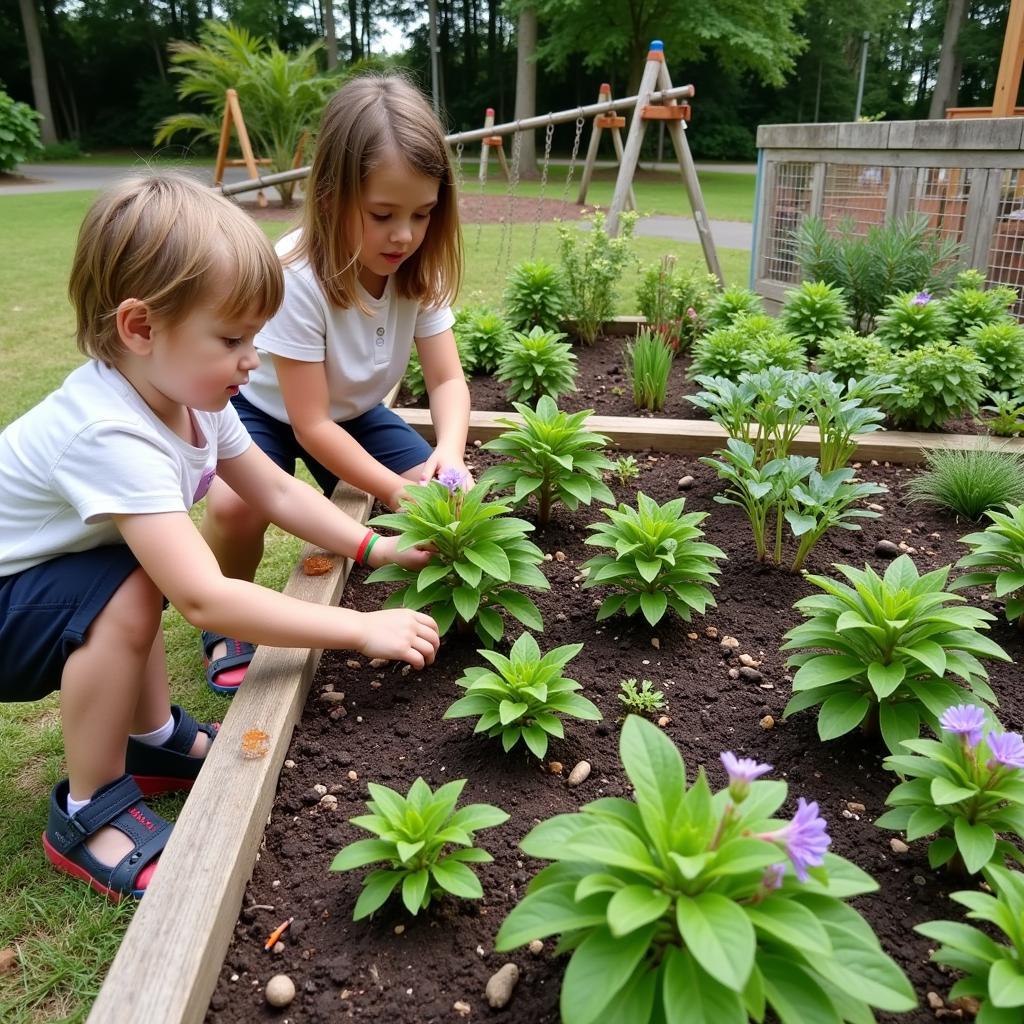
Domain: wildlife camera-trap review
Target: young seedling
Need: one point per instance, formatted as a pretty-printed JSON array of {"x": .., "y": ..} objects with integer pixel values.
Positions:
[{"x": 641, "y": 700}]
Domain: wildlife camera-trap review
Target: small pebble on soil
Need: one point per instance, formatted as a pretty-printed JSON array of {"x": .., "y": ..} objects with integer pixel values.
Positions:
[
  {"x": 499, "y": 987},
  {"x": 580, "y": 773},
  {"x": 280, "y": 990}
]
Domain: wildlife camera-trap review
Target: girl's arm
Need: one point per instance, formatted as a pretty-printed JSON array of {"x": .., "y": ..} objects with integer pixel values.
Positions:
[
  {"x": 449, "y": 401},
  {"x": 174, "y": 555}
]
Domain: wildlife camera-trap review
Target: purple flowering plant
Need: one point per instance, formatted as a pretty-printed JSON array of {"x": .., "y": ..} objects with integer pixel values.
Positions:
[
  {"x": 965, "y": 789},
  {"x": 913, "y": 319},
  {"x": 684, "y": 897}
]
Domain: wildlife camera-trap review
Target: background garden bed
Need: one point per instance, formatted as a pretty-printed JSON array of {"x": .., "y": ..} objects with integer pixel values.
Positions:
[{"x": 391, "y": 731}]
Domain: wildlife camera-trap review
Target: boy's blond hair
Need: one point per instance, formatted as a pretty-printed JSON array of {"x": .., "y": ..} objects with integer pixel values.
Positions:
[
  {"x": 163, "y": 239},
  {"x": 369, "y": 118}
]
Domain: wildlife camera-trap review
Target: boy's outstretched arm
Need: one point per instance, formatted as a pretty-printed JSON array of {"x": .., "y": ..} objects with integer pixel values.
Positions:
[{"x": 174, "y": 555}]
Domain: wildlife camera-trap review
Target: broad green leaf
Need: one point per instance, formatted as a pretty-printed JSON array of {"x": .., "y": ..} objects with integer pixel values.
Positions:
[
  {"x": 898, "y": 722},
  {"x": 414, "y": 888},
  {"x": 790, "y": 922},
  {"x": 634, "y": 906},
  {"x": 1006, "y": 983},
  {"x": 945, "y": 791},
  {"x": 691, "y": 996},
  {"x": 793, "y": 993},
  {"x": 655, "y": 768},
  {"x": 361, "y": 853},
  {"x": 457, "y": 879},
  {"x": 976, "y": 843},
  {"x": 550, "y": 911},
  {"x": 841, "y": 713},
  {"x": 826, "y": 669},
  {"x": 885, "y": 679},
  {"x": 377, "y": 887},
  {"x": 719, "y": 935}
]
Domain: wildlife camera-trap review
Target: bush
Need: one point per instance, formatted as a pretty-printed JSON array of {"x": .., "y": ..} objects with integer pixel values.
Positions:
[
  {"x": 969, "y": 482},
  {"x": 536, "y": 364},
  {"x": 911, "y": 320},
  {"x": 482, "y": 335},
  {"x": 592, "y": 264},
  {"x": 997, "y": 560},
  {"x": 850, "y": 355},
  {"x": 938, "y": 382},
  {"x": 649, "y": 363},
  {"x": 971, "y": 307},
  {"x": 1007, "y": 414},
  {"x": 1000, "y": 346},
  {"x": 814, "y": 311},
  {"x": 781, "y": 351},
  {"x": 674, "y": 301},
  {"x": 19, "y": 133},
  {"x": 535, "y": 296},
  {"x": 730, "y": 303},
  {"x": 751, "y": 342}
]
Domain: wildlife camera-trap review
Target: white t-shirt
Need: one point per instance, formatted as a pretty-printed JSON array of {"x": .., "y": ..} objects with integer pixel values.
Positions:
[
  {"x": 93, "y": 449},
  {"x": 363, "y": 356}
]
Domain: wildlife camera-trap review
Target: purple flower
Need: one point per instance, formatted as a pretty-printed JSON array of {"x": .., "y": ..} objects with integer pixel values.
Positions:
[
  {"x": 451, "y": 478},
  {"x": 967, "y": 720},
  {"x": 691, "y": 313},
  {"x": 1007, "y": 749},
  {"x": 742, "y": 772},
  {"x": 805, "y": 838},
  {"x": 773, "y": 876},
  {"x": 921, "y": 299}
]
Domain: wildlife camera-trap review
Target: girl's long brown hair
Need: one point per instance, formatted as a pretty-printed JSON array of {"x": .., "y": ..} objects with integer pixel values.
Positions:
[{"x": 369, "y": 118}]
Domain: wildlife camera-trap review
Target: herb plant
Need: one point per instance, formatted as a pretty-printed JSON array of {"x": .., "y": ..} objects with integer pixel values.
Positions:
[
  {"x": 673, "y": 301},
  {"x": 882, "y": 649},
  {"x": 552, "y": 456},
  {"x": 520, "y": 697},
  {"x": 994, "y": 971},
  {"x": 641, "y": 699},
  {"x": 649, "y": 362},
  {"x": 997, "y": 560},
  {"x": 731, "y": 303},
  {"x": 964, "y": 787},
  {"x": 658, "y": 561},
  {"x": 775, "y": 349},
  {"x": 911, "y": 320},
  {"x": 689, "y": 905},
  {"x": 813, "y": 311},
  {"x": 1007, "y": 413},
  {"x": 535, "y": 296},
  {"x": 851, "y": 355},
  {"x": 414, "y": 835},
  {"x": 626, "y": 469},
  {"x": 938, "y": 381},
  {"x": 480, "y": 556},
  {"x": 722, "y": 352},
  {"x": 536, "y": 364},
  {"x": 969, "y": 307},
  {"x": 1000, "y": 346},
  {"x": 969, "y": 482},
  {"x": 483, "y": 335}
]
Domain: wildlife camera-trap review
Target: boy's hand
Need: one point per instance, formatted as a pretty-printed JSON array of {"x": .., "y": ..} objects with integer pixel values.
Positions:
[
  {"x": 386, "y": 551},
  {"x": 399, "y": 634}
]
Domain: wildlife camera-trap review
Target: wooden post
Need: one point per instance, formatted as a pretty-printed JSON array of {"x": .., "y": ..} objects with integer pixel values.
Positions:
[
  {"x": 485, "y": 151},
  {"x": 614, "y": 124},
  {"x": 1008, "y": 80},
  {"x": 233, "y": 114}
]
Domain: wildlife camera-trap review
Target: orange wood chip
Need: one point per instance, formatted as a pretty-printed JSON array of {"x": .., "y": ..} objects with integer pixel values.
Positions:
[
  {"x": 255, "y": 744},
  {"x": 317, "y": 565}
]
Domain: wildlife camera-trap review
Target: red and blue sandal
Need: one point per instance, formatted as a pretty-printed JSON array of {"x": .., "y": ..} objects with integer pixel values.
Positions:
[
  {"x": 168, "y": 768},
  {"x": 119, "y": 804},
  {"x": 225, "y": 674}
]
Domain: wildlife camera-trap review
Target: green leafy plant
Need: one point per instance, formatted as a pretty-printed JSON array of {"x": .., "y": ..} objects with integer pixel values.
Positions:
[
  {"x": 551, "y": 455},
  {"x": 535, "y": 296},
  {"x": 851, "y": 355},
  {"x": 642, "y": 698},
  {"x": 731, "y": 303},
  {"x": 414, "y": 381},
  {"x": 969, "y": 482},
  {"x": 845, "y": 411},
  {"x": 937, "y": 381},
  {"x": 913, "y": 319},
  {"x": 19, "y": 133},
  {"x": 537, "y": 364},
  {"x": 773, "y": 349},
  {"x": 482, "y": 336},
  {"x": 520, "y": 697},
  {"x": 751, "y": 342},
  {"x": 1000, "y": 346},
  {"x": 1007, "y": 413},
  {"x": 814, "y": 311},
  {"x": 686, "y": 905},
  {"x": 592, "y": 265},
  {"x": 414, "y": 835},
  {"x": 649, "y": 363},
  {"x": 672, "y": 301},
  {"x": 997, "y": 560},
  {"x": 722, "y": 352},
  {"x": 658, "y": 561},
  {"x": 626, "y": 469},
  {"x": 963, "y": 787},
  {"x": 480, "y": 555},
  {"x": 879, "y": 652},
  {"x": 969, "y": 307},
  {"x": 994, "y": 971}
]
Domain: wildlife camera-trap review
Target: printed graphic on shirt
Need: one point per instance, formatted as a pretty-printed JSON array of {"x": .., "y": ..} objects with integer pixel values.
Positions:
[{"x": 204, "y": 484}]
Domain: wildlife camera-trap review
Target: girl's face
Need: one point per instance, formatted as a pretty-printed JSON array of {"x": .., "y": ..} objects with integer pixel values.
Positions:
[{"x": 396, "y": 206}]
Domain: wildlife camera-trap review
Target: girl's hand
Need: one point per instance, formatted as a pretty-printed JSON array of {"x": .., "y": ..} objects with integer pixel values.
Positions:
[
  {"x": 439, "y": 463},
  {"x": 386, "y": 551},
  {"x": 400, "y": 634}
]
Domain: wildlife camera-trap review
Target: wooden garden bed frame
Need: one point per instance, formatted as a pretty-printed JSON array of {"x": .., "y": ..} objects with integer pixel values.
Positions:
[{"x": 171, "y": 955}]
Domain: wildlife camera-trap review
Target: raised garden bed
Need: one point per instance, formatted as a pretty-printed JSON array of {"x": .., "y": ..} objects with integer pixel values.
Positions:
[{"x": 400, "y": 969}]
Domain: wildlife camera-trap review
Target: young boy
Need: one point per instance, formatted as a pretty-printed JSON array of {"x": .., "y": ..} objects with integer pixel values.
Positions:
[{"x": 170, "y": 284}]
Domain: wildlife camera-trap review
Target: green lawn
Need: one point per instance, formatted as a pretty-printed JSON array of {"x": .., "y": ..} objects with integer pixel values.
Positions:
[{"x": 64, "y": 935}]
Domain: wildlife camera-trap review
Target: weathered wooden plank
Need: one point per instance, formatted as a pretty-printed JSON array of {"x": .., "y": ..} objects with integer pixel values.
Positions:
[
  {"x": 899, "y": 158},
  {"x": 797, "y": 136},
  {"x": 863, "y": 135}
]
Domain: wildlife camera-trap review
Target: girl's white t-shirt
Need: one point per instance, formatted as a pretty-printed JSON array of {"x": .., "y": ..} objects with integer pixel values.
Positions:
[
  {"x": 93, "y": 449},
  {"x": 364, "y": 356}
]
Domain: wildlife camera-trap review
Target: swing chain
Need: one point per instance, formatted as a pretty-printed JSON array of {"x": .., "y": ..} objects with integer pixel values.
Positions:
[
  {"x": 548, "y": 133},
  {"x": 460, "y": 181},
  {"x": 505, "y": 247},
  {"x": 572, "y": 159}
]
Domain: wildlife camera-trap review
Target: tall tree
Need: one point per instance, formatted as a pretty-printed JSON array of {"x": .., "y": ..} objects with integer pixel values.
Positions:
[
  {"x": 947, "y": 82},
  {"x": 37, "y": 66},
  {"x": 526, "y": 87},
  {"x": 330, "y": 37}
]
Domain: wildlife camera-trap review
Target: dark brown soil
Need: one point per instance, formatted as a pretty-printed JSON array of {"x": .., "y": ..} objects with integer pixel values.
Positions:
[{"x": 403, "y": 970}]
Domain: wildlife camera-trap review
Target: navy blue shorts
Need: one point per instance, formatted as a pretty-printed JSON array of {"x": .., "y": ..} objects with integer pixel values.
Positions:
[
  {"x": 46, "y": 611},
  {"x": 386, "y": 436}
]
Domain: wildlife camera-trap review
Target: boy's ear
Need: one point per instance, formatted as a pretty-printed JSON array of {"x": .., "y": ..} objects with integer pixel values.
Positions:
[{"x": 133, "y": 326}]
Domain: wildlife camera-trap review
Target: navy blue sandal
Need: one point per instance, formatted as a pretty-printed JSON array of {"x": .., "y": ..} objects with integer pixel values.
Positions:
[
  {"x": 225, "y": 674},
  {"x": 119, "y": 804},
  {"x": 170, "y": 767}
]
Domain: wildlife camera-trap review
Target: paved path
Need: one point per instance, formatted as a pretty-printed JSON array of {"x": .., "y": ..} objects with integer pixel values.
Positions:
[{"x": 56, "y": 177}]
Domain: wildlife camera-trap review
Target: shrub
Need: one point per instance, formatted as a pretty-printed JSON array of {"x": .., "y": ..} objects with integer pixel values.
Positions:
[
  {"x": 775, "y": 350},
  {"x": 814, "y": 311},
  {"x": 413, "y": 836},
  {"x": 1000, "y": 346},
  {"x": 684, "y": 904},
  {"x": 752, "y": 341},
  {"x": 649, "y": 363},
  {"x": 537, "y": 364},
  {"x": 972, "y": 307},
  {"x": 964, "y": 787},
  {"x": 551, "y": 455},
  {"x": 970, "y": 482},
  {"x": 592, "y": 264},
  {"x": 997, "y": 560},
  {"x": 994, "y": 972},
  {"x": 521, "y": 696},
  {"x": 730, "y": 303},
  {"x": 482, "y": 337},
  {"x": 1007, "y": 413},
  {"x": 19, "y": 133},
  {"x": 884, "y": 647},
  {"x": 535, "y": 296},
  {"x": 851, "y": 355},
  {"x": 722, "y": 352},
  {"x": 480, "y": 554},
  {"x": 642, "y": 700},
  {"x": 938, "y": 382},
  {"x": 626, "y": 469},
  {"x": 658, "y": 561},
  {"x": 911, "y": 320}
]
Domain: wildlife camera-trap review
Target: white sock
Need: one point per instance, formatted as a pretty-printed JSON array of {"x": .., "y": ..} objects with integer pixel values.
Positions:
[
  {"x": 74, "y": 806},
  {"x": 158, "y": 737}
]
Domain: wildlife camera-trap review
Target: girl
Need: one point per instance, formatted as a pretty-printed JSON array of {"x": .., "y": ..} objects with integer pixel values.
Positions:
[{"x": 374, "y": 267}]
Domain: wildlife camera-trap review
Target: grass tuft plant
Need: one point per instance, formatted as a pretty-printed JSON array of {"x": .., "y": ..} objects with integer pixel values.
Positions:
[
  {"x": 970, "y": 482},
  {"x": 535, "y": 296},
  {"x": 537, "y": 364},
  {"x": 649, "y": 363},
  {"x": 997, "y": 560}
]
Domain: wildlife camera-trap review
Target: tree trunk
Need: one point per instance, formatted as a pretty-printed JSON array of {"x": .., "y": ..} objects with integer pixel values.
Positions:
[
  {"x": 37, "y": 66},
  {"x": 947, "y": 82},
  {"x": 526, "y": 88},
  {"x": 330, "y": 35},
  {"x": 367, "y": 28},
  {"x": 353, "y": 29}
]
